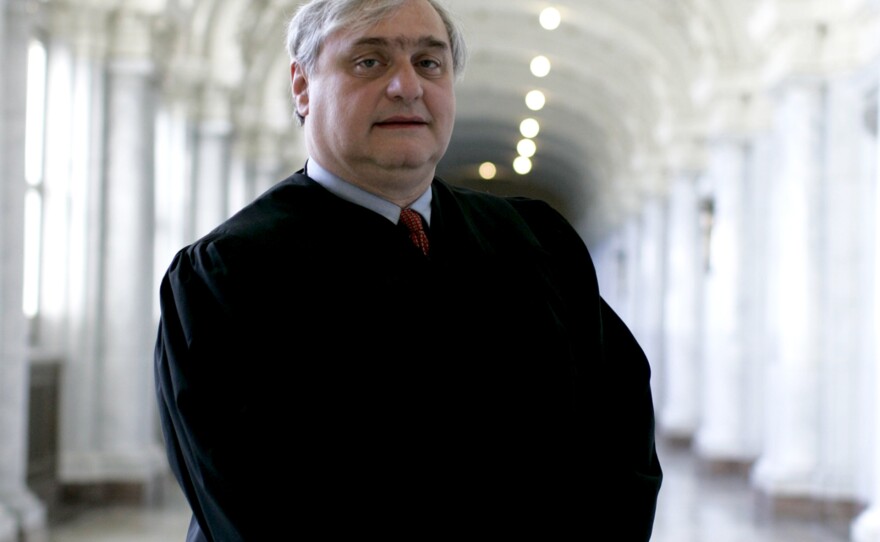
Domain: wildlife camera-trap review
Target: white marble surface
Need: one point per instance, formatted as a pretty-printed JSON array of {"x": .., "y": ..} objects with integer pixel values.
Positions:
[
  {"x": 695, "y": 506},
  {"x": 167, "y": 521}
]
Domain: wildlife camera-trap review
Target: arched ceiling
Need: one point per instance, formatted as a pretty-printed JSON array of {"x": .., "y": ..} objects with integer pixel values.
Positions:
[{"x": 626, "y": 76}]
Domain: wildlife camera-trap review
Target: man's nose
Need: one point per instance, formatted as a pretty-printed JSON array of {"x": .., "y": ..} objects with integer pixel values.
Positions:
[{"x": 405, "y": 84}]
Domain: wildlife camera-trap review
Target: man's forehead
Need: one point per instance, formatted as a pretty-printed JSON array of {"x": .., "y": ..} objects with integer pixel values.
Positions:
[{"x": 433, "y": 32}]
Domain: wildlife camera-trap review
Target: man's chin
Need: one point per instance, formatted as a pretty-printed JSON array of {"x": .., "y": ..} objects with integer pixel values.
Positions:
[{"x": 403, "y": 162}]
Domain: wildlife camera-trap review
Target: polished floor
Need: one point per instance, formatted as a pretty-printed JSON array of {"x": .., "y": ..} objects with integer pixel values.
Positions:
[{"x": 694, "y": 507}]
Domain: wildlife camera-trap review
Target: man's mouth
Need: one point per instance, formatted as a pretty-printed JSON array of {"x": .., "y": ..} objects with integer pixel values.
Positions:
[{"x": 402, "y": 122}]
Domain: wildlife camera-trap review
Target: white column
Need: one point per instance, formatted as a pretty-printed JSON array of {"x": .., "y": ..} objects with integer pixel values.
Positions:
[
  {"x": 822, "y": 270},
  {"x": 679, "y": 411},
  {"x": 610, "y": 258},
  {"x": 111, "y": 436},
  {"x": 80, "y": 36},
  {"x": 241, "y": 187},
  {"x": 756, "y": 223},
  {"x": 267, "y": 165},
  {"x": 211, "y": 174},
  {"x": 19, "y": 510},
  {"x": 790, "y": 456},
  {"x": 866, "y": 528},
  {"x": 258, "y": 162},
  {"x": 725, "y": 430},
  {"x": 648, "y": 309},
  {"x": 628, "y": 262},
  {"x": 174, "y": 220},
  {"x": 846, "y": 276}
]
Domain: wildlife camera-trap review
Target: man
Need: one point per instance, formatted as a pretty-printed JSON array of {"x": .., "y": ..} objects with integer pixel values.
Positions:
[{"x": 323, "y": 370}]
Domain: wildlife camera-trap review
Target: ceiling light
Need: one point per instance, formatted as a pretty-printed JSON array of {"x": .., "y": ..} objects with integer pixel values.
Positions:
[
  {"x": 540, "y": 66},
  {"x": 550, "y": 18},
  {"x": 535, "y": 100},
  {"x": 527, "y": 148},
  {"x": 522, "y": 165},
  {"x": 488, "y": 170},
  {"x": 529, "y": 128}
]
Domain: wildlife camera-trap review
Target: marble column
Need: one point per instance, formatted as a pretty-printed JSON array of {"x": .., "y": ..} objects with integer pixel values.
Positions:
[
  {"x": 626, "y": 258},
  {"x": 241, "y": 183},
  {"x": 212, "y": 160},
  {"x": 818, "y": 312},
  {"x": 678, "y": 413},
  {"x": 647, "y": 323},
  {"x": 109, "y": 433},
  {"x": 788, "y": 464},
  {"x": 610, "y": 258},
  {"x": 174, "y": 221},
  {"x": 267, "y": 165},
  {"x": 20, "y": 512},
  {"x": 845, "y": 309},
  {"x": 725, "y": 432},
  {"x": 866, "y": 527},
  {"x": 818, "y": 315}
]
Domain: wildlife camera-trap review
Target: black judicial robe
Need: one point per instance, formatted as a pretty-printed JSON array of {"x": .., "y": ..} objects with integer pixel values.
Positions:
[{"x": 317, "y": 374}]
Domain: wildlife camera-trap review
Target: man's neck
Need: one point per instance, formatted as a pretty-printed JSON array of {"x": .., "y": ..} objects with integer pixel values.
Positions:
[
  {"x": 356, "y": 194},
  {"x": 399, "y": 186}
]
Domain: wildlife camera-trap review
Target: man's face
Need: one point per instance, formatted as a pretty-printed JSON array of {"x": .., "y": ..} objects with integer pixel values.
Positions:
[{"x": 379, "y": 105}]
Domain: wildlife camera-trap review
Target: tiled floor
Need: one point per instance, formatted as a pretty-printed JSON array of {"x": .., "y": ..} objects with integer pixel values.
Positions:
[
  {"x": 698, "y": 507},
  {"x": 165, "y": 522},
  {"x": 693, "y": 507}
]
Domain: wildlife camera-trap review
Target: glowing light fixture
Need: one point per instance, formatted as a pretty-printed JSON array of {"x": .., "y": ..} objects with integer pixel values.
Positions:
[
  {"x": 535, "y": 100},
  {"x": 540, "y": 66},
  {"x": 550, "y": 18},
  {"x": 488, "y": 170},
  {"x": 522, "y": 165},
  {"x": 527, "y": 148},
  {"x": 529, "y": 128}
]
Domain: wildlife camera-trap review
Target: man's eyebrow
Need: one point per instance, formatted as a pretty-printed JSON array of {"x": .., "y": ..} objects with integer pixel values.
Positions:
[{"x": 430, "y": 42}]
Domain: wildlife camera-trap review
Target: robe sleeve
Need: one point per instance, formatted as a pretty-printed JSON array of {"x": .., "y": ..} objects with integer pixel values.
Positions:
[
  {"x": 204, "y": 413},
  {"x": 633, "y": 474},
  {"x": 615, "y": 412}
]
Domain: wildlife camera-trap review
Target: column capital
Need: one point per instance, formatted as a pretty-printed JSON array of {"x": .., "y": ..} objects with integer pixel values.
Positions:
[
  {"x": 818, "y": 39},
  {"x": 741, "y": 109},
  {"x": 180, "y": 80},
  {"x": 83, "y": 26},
  {"x": 130, "y": 40}
]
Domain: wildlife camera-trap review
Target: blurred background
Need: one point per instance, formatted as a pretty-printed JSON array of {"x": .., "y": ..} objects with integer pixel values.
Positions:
[{"x": 720, "y": 158}]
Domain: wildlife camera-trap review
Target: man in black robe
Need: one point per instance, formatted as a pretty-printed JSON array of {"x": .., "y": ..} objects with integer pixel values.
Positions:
[{"x": 323, "y": 371}]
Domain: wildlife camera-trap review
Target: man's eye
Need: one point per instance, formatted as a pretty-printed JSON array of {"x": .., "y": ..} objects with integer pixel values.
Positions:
[
  {"x": 368, "y": 63},
  {"x": 429, "y": 64}
]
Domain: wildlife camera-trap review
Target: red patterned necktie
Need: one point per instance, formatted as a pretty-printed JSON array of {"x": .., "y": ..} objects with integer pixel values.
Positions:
[{"x": 413, "y": 222}]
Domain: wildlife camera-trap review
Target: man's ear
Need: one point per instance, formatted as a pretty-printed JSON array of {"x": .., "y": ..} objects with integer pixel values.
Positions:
[{"x": 299, "y": 85}]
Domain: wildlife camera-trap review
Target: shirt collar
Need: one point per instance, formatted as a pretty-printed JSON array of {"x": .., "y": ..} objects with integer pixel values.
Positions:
[{"x": 354, "y": 194}]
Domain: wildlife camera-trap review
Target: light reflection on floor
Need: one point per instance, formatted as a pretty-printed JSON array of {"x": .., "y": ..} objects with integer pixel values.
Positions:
[{"x": 695, "y": 506}]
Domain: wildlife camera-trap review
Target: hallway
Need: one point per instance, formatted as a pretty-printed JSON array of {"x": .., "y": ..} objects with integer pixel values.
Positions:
[
  {"x": 719, "y": 158},
  {"x": 693, "y": 507}
]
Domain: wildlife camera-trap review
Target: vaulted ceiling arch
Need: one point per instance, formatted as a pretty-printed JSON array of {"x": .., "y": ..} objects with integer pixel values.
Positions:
[{"x": 627, "y": 79}]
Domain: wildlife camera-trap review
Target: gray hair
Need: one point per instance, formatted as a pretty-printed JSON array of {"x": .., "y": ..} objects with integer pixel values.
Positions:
[{"x": 317, "y": 19}]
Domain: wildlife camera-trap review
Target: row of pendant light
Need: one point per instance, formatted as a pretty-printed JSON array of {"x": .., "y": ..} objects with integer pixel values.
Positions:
[{"x": 535, "y": 100}]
